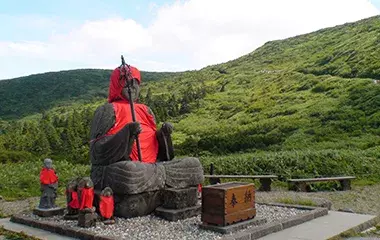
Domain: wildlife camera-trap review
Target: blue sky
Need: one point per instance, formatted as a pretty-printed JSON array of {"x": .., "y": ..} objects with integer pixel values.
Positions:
[
  {"x": 14, "y": 15},
  {"x": 162, "y": 35}
]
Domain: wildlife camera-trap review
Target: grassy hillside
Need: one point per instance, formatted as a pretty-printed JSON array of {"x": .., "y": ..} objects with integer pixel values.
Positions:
[
  {"x": 32, "y": 94},
  {"x": 304, "y": 106}
]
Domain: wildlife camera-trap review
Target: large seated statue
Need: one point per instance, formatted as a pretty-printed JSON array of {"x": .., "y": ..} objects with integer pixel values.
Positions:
[{"x": 114, "y": 155}]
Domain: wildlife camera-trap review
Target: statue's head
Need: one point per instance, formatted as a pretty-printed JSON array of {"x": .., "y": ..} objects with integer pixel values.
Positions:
[
  {"x": 118, "y": 89},
  {"x": 85, "y": 182},
  {"x": 72, "y": 184},
  {"x": 107, "y": 192},
  {"x": 48, "y": 163}
]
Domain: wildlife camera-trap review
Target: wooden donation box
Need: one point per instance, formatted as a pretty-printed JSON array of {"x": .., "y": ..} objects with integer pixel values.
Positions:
[{"x": 228, "y": 203}]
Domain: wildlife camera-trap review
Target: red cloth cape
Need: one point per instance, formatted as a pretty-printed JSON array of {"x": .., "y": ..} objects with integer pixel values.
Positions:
[
  {"x": 87, "y": 198},
  {"x": 74, "y": 200},
  {"x": 48, "y": 176},
  {"x": 147, "y": 137},
  {"x": 106, "y": 206}
]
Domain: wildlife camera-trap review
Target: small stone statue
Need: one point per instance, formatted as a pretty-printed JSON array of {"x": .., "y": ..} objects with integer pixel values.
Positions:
[
  {"x": 49, "y": 185},
  {"x": 87, "y": 216},
  {"x": 106, "y": 206},
  {"x": 72, "y": 200}
]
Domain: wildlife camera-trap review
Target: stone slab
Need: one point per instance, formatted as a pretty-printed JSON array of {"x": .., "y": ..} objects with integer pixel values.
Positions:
[
  {"x": 48, "y": 212},
  {"x": 178, "y": 214},
  {"x": 30, "y": 231},
  {"x": 325, "y": 227},
  {"x": 233, "y": 227}
]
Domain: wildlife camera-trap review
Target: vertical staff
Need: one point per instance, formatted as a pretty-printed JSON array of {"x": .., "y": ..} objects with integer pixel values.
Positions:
[{"x": 126, "y": 74}]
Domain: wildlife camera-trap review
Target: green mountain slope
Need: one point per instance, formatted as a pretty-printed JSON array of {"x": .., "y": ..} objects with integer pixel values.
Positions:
[
  {"x": 32, "y": 94},
  {"x": 349, "y": 50},
  {"x": 302, "y": 106}
]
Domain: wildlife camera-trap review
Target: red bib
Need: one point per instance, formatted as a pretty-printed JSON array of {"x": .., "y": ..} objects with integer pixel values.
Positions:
[
  {"x": 87, "y": 198},
  {"x": 106, "y": 206},
  {"x": 74, "y": 200},
  {"x": 147, "y": 137},
  {"x": 48, "y": 176}
]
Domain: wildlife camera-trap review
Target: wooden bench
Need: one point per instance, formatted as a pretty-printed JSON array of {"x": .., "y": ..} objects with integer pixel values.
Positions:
[
  {"x": 265, "y": 180},
  {"x": 301, "y": 184}
]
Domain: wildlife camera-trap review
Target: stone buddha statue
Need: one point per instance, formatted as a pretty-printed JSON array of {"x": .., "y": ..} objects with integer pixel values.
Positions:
[{"x": 136, "y": 185}]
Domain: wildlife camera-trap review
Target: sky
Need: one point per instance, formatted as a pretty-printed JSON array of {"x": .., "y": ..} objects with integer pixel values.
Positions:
[{"x": 166, "y": 35}]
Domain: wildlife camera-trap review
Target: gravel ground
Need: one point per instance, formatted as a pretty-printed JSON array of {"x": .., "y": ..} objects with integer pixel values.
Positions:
[
  {"x": 13, "y": 207},
  {"x": 151, "y": 227}
]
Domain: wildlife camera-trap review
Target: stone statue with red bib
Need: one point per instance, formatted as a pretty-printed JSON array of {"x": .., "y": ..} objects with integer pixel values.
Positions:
[{"x": 114, "y": 153}]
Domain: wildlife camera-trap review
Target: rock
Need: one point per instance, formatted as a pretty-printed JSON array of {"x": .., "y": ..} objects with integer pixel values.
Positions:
[
  {"x": 346, "y": 210},
  {"x": 87, "y": 219}
]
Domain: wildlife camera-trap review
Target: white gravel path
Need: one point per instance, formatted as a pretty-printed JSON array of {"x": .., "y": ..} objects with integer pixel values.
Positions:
[{"x": 152, "y": 227}]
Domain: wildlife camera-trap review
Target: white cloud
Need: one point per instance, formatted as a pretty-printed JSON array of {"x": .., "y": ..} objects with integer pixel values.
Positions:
[{"x": 186, "y": 34}]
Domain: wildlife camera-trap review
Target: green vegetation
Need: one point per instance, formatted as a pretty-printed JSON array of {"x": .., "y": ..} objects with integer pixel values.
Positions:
[
  {"x": 21, "y": 180},
  {"x": 291, "y": 201},
  {"x": 300, "y": 107},
  {"x": 15, "y": 236},
  {"x": 37, "y": 93}
]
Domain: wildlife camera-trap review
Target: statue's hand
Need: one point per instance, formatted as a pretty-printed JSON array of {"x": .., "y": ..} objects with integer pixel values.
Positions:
[
  {"x": 167, "y": 128},
  {"x": 136, "y": 126}
]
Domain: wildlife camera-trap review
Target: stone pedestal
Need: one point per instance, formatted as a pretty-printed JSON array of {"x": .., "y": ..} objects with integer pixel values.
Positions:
[
  {"x": 179, "y": 204},
  {"x": 178, "y": 214},
  {"x": 87, "y": 219},
  {"x": 180, "y": 198},
  {"x": 48, "y": 212}
]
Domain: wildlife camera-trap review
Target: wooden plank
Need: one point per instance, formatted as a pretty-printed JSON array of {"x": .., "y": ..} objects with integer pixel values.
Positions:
[
  {"x": 241, "y": 176},
  {"x": 321, "y": 179}
]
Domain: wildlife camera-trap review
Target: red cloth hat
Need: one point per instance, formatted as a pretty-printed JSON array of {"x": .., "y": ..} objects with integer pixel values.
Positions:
[{"x": 116, "y": 86}]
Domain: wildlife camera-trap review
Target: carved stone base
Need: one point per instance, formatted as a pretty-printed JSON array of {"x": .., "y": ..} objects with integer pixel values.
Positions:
[
  {"x": 180, "y": 198},
  {"x": 48, "y": 212},
  {"x": 178, "y": 214},
  {"x": 87, "y": 219},
  {"x": 135, "y": 205}
]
